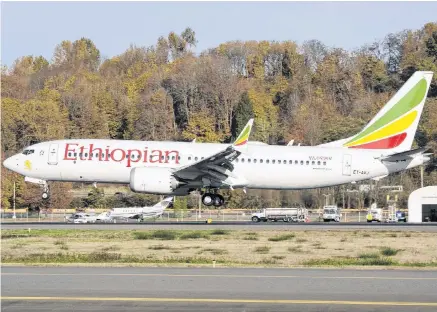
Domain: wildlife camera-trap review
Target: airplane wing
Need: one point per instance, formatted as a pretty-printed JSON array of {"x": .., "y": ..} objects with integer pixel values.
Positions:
[{"x": 216, "y": 170}]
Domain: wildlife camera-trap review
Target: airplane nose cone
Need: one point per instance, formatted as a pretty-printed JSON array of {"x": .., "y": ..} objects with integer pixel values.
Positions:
[{"x": 7, "y": 163}]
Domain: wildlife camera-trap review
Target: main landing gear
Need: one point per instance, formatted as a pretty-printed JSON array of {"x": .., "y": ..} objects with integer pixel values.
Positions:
[
  {"x": 209, "y": 199},
  {"x": 45, "y": 192}
]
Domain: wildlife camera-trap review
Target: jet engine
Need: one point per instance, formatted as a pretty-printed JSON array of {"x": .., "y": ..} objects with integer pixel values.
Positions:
[{"x": 153, "y": 180}]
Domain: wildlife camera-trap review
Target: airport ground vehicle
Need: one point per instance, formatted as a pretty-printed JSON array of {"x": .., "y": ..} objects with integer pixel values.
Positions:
[
  {"x": 81, "y": 217},
  {"x": 401, "y": 216},
  {"x": 374, "y": 214},
  {"x": 280, "y": 214},
  {"x": 331, "y": 213}
]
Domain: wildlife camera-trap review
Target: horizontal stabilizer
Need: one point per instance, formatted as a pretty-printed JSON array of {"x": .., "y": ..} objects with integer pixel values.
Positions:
[{"x": 404, "y": 155}]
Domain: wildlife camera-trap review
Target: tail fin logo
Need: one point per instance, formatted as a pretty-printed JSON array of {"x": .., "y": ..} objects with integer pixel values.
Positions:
[{"x": 391, "y": 129}]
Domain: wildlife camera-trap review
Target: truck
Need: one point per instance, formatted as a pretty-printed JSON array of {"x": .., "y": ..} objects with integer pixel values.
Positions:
[
  {"x": 331, "y": 213},
  {"x": 280, "y": 214}
]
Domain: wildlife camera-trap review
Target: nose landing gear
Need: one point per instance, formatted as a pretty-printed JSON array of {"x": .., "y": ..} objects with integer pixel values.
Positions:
[
  {"x": 43, "y": 184},
  {"x": 209, "y": 199}
]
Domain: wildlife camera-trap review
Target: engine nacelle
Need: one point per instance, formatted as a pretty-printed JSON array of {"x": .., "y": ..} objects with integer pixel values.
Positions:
[{"x": 153, "y": 180}]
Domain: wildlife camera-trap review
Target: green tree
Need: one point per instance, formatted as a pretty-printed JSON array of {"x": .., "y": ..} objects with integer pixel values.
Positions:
[
  {"x": 95, "y": 198},
  {"x": 242, "y": 113}
]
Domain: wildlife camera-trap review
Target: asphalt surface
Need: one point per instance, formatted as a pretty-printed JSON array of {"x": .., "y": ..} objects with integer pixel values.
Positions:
[
  {"x": 423, "y": 227},
  {"x": 208, "y": 289}
]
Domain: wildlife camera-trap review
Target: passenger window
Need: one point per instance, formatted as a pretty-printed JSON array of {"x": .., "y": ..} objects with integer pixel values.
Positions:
[
  {"x": 279, "y": 161},
  {"x": 261, "y": 161},
  {"x": 248, "y": 160},
  {"x": 69, "y": 154},
  {"x": 103, "y": 155},
  {"x": 202, "y": 157},
  {"x": 296, "y": 162},
  {"x": 313, "y": 162},
  {"x": 195, "y": 158},
  {"x": 162, "y": 157},
  {"x": 267, "y": 161},
  {"x": 254, "y": 160},
  {"x": 324, "y": 163},
  {"x": 290, "y": 162},
  {"x": 86, "y": 154},
  {"x": 189, "y": 158},
  {"x": 284, "y": 162},
  {"x": 301, "y": 162},
  {"x": 236, "y": 159},
  {"x": 172, "y": 157},
  {"x": 179, "y": 157},
  {"x": 318, "y": 163},
  {"x": 308, "y": 162},
  {"x": 242, "y": 160},
  {"x": 273, "y": 161}
]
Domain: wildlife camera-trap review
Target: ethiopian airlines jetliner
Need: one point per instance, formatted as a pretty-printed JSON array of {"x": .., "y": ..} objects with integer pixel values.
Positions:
[{"x": 178, "y": 168}]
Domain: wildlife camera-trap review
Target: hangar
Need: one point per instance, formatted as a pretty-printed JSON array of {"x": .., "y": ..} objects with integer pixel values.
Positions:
[{"x": 422, "y": 205}]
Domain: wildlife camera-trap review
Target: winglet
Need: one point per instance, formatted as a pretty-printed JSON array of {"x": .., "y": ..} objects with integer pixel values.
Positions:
[{"x": 244, "y": 135}]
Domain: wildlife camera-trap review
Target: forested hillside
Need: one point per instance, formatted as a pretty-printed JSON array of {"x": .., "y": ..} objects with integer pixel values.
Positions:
[{"x": 309, "y": 92}]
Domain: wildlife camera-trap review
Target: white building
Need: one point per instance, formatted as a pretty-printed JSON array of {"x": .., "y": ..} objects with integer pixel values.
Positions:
[{"x": 422, "y": 205}]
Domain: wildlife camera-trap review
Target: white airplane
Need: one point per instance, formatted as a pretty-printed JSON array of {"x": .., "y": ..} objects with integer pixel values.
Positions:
[
  {"x": 136, "y": 212},
  {"x": 178, "y": 168}
]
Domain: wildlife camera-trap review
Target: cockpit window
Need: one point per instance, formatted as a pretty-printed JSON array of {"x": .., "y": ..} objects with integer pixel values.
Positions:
[{"x": 28, "y": 152}]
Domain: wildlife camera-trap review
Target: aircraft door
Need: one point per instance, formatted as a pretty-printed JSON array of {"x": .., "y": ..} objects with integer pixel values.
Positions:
[
  {"x": 53, "y": 154},
  {"x": 347, "y": 165}
]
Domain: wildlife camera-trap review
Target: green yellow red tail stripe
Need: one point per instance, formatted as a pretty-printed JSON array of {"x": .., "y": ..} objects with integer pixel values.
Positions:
[{"x": 391, "y": 129}]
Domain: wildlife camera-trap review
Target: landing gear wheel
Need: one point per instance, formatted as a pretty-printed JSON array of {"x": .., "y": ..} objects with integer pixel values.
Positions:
[
  {"x": 218, "y": 200},
  {"x": 45, "y": 191},
  {"x": 207, "y": 199}
]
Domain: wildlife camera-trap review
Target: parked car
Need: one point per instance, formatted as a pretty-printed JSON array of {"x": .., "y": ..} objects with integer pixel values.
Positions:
[
  {"x": 401, "y": 216},
  {"x": 81, "y": 217}
]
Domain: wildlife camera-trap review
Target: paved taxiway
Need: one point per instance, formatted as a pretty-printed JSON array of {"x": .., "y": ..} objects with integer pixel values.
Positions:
[
  {"x": 208, "y": 289},
  {"x": 424, "y": 227}
]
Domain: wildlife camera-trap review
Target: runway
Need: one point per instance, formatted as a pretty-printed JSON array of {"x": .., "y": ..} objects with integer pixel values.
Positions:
[
  {"x": 208, "y": 289},
  {"x": 346, "y": 226}
]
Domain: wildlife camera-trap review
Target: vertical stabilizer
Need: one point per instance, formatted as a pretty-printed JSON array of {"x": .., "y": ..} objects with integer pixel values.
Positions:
[{"x": 394, "y": 127}]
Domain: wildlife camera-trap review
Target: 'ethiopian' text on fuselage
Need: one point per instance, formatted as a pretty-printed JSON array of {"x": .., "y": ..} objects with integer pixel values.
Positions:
[{"x": 74, "y": 152}]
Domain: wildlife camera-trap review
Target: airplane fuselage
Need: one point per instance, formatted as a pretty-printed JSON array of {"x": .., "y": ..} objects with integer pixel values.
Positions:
[{"x": 259, "y": 166}]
